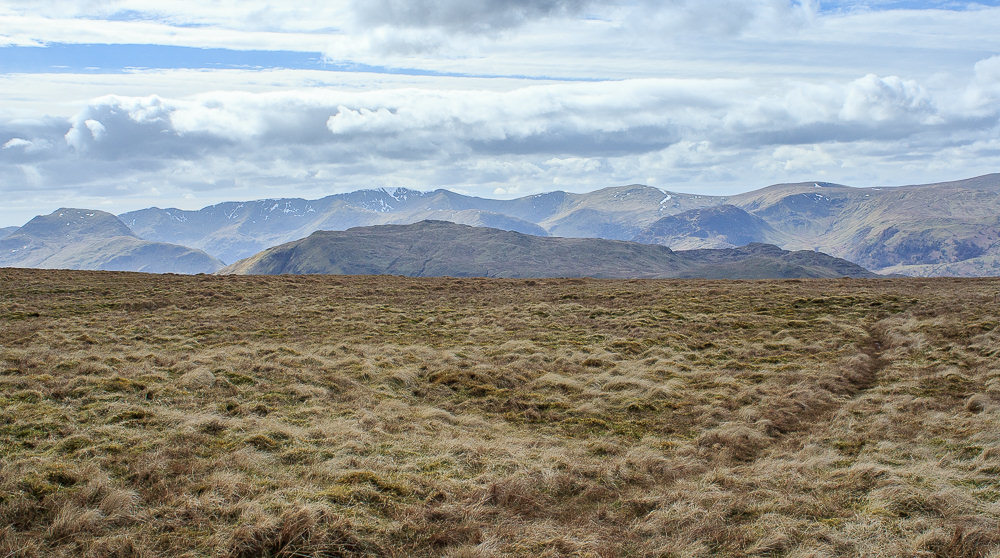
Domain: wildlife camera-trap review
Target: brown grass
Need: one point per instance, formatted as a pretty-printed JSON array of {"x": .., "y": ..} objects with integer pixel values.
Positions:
[{"x": 344, "y": 416}]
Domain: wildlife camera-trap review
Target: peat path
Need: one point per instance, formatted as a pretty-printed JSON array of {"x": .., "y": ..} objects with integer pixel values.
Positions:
[{"x": 808, "y": 411}]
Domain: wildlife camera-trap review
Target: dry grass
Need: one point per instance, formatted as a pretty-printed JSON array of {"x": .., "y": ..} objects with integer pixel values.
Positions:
[{"x": 331, "y": 416}]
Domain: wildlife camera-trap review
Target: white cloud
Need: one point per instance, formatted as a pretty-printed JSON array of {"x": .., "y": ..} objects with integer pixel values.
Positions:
[
  {"x": 544, "y": 134},
  {"x": 984, "y": 90},
  {"x": 879, "y": 100},
  {"x": 13, "y": 143},
  {"x": 801, "y": 159}
]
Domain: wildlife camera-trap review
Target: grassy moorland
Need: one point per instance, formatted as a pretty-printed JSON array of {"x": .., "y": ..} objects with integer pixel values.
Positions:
[{"x": 325, "y": 416}]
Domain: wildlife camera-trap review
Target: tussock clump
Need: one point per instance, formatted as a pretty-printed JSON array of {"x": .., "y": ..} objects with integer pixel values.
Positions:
[
  {"x": 961, "y": 541},
  {"x": 517, "y": 495},
  {"x": 560, "y": 382},
  {"x": 118, "y": 546},
  {"x": 977, "y": 403},
  {"x": 302, "y": 531},
  {"x": 199, "y": 378},
  {"x": 733, "y": 441}
]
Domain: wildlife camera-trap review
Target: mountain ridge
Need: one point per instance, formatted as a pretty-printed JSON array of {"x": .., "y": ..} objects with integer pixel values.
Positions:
[
  {"x": 441, "y": 248},
  {"x": 70, "y": 238}
]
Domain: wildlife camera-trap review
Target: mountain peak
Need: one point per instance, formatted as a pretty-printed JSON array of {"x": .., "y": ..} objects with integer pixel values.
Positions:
[
  {"x": 71, "y": 238},
  {"x": 70, "y": 224}
]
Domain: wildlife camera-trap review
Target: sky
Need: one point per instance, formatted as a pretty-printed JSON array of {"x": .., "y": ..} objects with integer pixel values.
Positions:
[{"x": 123, "y": 104}]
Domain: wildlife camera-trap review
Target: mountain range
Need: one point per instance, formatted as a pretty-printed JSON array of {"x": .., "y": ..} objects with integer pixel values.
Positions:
[
  {"x": 442, "y": 248},
  {"x": 235, "y": 230},
  {"x": 948, "y": 228}
]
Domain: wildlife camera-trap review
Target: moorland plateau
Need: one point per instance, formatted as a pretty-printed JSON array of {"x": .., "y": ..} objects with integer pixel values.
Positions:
[{"x": 239, "y": 416}]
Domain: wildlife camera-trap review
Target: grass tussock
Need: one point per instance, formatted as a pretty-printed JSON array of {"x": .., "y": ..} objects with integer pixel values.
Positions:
[{"x": 146, "y": 416}]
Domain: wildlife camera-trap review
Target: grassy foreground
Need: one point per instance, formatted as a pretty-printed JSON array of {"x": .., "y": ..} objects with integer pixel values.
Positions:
[{"x": 326, "y": 416}]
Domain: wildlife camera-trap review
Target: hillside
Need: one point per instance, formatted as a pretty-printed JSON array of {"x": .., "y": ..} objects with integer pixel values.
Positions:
[
  {"x": 164, "y": 415},
  {"x": 439, "y": 248},
  {"x": 90, "y": 239},
  {"x": 888, "y": 229},
  {"x": 721, "y": 226}
]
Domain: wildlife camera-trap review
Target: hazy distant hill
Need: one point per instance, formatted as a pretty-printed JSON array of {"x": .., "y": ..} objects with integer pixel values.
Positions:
[
  {"x": 89, "y": 239},
  {"x": 618, "y": 213},
  {"x": 439, "y": 248},
  {"x": 721, "y": 226},
  {"x": 4, "y": 231}
]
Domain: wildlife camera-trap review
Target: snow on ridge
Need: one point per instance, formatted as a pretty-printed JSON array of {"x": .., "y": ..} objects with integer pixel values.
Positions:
[{"x": 178, "y": 218}]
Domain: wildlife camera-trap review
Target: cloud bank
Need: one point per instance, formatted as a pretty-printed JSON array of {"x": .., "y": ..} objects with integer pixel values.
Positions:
[
  {"x": 498, "y": 98},
  {"x": 707, "y": 130}
]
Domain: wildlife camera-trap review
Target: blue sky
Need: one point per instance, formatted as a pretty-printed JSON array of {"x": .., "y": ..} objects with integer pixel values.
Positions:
[
  {"x": 125, "y": 104},
  {"x": 102, "y": 58}
]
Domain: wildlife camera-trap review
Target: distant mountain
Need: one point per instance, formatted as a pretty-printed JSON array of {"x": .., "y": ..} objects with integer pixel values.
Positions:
[
  {"x": 4, "y": 231},
  {"x": 721, "y": 226},
  {"x": 235, "y": 230},
  {"x": 618, "y": 213},
  {"x": 767, "y": 261},
  {"x": 906, "y": 229},
  {"x": 439, "y": 248},
  {"x": 944, "y": 228},
  {"x": 90, "y": 239},
  {"x": 475, "y": 218}
]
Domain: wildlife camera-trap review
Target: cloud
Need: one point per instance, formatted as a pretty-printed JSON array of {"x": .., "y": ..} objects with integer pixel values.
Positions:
[
  {"x": 462, "y": 16},
  {"x": 14, "y": 143},
  {"x": 984, "y": 91},
  {"x": 878, "y": 100},
  {"x": 687, "y": 18},
  {"x": 802, "y": 159},
  {"x": 544, "y": 129},
  {"x": 366, "y": 29},
  {"x": 606, "y": 119},
  {"x": 837, "y": 105}
]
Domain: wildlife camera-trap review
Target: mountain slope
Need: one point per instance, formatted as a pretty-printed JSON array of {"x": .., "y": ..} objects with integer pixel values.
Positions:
[
  {"x": 930, "y": 226},
  {"x": 89, "y": 239},
  {"x": 5, "y": 231},
  {"x": 438, "y": 248},
  {"x": 721, "y": 226},
  {"x": 472, "y": 217},
  {"x": 619, "y": 212}
]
